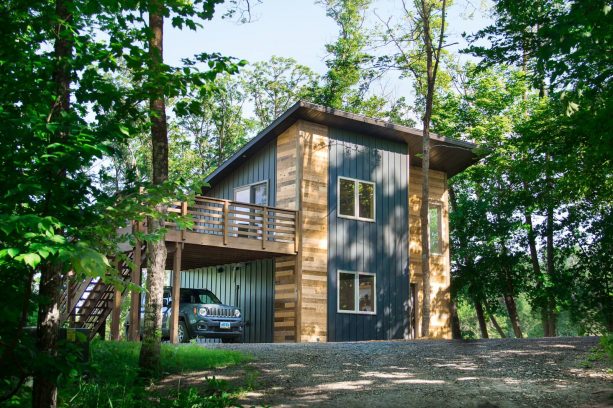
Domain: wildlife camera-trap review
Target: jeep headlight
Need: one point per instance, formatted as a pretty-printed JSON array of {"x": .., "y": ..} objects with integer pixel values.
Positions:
[
  {"x": 203, "y": 311},
  {"x": 237, "y": 313}
]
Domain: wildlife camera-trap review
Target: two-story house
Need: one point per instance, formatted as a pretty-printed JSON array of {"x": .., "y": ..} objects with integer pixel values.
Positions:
[
  {"x": 356, "y": 184},
  {"x": 313, "y": 229}
]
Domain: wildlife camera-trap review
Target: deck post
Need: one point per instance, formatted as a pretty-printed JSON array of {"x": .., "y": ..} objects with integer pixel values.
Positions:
[
  {"x": 225, "y": 222},
  {"x": 69, "y": 300},
  {"x": 134, "y": 334},
  {"x": 176, "y": 286},
  {"x": 116, "y": 315},
  {"x": 264, "y": 227}
]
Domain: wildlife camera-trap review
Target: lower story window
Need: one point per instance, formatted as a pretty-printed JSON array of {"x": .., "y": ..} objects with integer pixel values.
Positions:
[{"x": 356, "y": 292}]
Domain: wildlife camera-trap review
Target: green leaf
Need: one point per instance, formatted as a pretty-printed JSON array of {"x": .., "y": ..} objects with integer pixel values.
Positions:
[
  {"x": 29, "y": 259},
  {"x": 86, "y": 261}
]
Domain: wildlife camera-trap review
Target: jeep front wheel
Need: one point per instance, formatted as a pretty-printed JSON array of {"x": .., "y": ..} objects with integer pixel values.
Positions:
[{"x": 182, "y": 334}]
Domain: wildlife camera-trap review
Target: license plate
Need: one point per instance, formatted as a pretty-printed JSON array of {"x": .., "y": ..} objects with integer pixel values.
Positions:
[{"x": 224, "y": 325}]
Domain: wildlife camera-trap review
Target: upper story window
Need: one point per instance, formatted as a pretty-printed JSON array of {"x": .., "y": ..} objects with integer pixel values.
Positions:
[
  {"x": 356, "y": 199},
  {"x": 435, "y": 226},
  {"x": 256, "y": 193}
]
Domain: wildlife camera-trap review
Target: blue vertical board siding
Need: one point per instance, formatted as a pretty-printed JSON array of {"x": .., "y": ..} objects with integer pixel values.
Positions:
[
  {"x": 260, "y": 167},
  {"x": 255, "y": 282},
  {"x": 379, "y": 247}
]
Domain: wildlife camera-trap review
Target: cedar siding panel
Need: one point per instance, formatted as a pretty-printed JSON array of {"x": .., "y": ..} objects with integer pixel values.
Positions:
[
  {"x": 379, "y": 247},
  {"x": 440, "y": 275}
]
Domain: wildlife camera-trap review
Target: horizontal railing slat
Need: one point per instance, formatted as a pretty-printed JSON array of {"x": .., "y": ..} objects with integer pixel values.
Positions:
[{"x": 219, "y": 217}]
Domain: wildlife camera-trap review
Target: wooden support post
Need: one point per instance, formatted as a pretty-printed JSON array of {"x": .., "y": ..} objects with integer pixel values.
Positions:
[
  {"x": 225, "y": 222},
  {"x": 134, "y": 334},
  {"x": 102, "y": 330},
  {"x": 69, "y": 301},
  {"x": 116, "y": 315},
  {"x": 264, "y": 227},
  {"x": 176, "y": 286}
]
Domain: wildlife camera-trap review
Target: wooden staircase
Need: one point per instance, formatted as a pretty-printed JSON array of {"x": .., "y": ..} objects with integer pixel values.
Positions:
[{"x": 88, "y": 303}]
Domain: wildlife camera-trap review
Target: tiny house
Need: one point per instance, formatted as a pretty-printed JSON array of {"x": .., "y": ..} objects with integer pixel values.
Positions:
[
  {"x": 355, "y": 184},
  {"x": 313, "y": 229}
]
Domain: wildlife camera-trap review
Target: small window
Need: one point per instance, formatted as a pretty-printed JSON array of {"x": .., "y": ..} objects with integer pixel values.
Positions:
[
  {"x": 356, "y": 292},
  {"x": 435, "y": 229},
  {"x": 356, "y": 199},
  {"x": 253, "y": 194}
]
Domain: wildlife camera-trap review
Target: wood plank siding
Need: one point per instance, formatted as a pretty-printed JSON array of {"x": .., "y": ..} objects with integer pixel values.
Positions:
[
  {"x": 313, "y": 255},
  {"x": 286, "y": 290},
  {"x": 300, "y": 282},
  {"x": 440, "y": 322},
  {"x": 379, "y": 247}
]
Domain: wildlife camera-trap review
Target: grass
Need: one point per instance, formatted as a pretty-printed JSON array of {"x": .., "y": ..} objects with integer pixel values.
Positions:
[
  {"x": 111, "y": 379},
  {"x": 601, "y": 355}
]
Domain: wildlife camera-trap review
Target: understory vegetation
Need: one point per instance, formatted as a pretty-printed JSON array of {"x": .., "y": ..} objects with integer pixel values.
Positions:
[{"x": 111, "y": 379}]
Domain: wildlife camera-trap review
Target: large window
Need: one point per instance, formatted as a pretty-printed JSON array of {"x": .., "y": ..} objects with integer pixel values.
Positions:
[
  {"x": 357, "y": 292},
  {"x": 356, "y": 199},
  {"x": 435, "y": 229}
]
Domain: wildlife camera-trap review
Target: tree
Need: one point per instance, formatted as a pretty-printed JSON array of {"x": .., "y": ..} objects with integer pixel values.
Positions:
[
  {"x": 156, "y": 250},
  {"x": 489, "y": 263},
  {"x": 275, "y": 85},
  {"x": 52, "y": 213},
  {"x": 161, "y": 82},
  {"x": 565, "y": 51},
  {"x": 218, "y": 127},
  {"x": 347, "y": 54}
]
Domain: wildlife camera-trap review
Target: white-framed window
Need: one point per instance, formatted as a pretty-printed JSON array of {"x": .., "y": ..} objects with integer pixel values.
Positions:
[
  {"x": 255, "y": 193},
  {"x": 356, "y": 292},
  {"x": 435, "y": 228},
  {"x": 356, "y": 199}
]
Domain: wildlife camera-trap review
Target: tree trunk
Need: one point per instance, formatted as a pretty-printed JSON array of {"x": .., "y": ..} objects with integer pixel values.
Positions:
[
  {"x": 497, "y": 326},
  {"x": 433, "y": 54},
  {"x": 481, "y": 319},
  {"x": 545, "y": 317},
  {"x": 44, "y": 391},
  {"x": 550, "y": 329},
  {"x": 456, "y": 331},
  {"x": 156, "y": 251},
  {"x": 44, "y": 388},
  {"x": 509, "y": 301}
]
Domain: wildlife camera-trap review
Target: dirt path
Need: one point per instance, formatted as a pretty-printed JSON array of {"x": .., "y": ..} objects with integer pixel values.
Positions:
[{"x": 485, "y": 373}]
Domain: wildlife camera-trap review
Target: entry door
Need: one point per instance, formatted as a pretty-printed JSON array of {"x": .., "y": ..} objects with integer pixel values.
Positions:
[{"x": 252, "y": 194}]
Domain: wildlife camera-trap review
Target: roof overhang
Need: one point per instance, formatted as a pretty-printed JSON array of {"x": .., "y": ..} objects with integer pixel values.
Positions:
[{"x": 448, "y": 155}]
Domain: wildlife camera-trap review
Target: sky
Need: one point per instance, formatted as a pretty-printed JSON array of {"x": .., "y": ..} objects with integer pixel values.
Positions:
[{"x": 300, "y": 29}]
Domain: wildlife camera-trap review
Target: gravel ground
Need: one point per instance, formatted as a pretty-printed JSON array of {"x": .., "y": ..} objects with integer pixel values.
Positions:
[{"x": 484, "y": 373}]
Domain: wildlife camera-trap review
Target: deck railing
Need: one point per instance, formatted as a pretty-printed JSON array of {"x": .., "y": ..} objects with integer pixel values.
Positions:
[{"x": 230, "y": 220}]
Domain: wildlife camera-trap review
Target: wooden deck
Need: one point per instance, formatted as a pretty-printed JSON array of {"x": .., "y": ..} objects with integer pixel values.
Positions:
[{"x": 225, "y": 231}]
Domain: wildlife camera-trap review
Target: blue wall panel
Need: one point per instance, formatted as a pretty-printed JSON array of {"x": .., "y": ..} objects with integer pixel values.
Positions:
[
  {"x": 379, "y": 247},
  {"x": 249, "y": 287},
  {"x": 260, "y": 167}
]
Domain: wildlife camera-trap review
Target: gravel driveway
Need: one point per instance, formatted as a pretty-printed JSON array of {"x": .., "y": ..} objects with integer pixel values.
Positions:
[{"x": 484, "y": 373}]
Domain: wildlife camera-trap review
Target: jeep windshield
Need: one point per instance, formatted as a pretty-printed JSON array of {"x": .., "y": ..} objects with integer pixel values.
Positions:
[{"x": 198, "y": 296}]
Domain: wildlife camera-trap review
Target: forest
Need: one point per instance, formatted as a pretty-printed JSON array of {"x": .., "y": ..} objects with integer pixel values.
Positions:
[{"x": 97, "y": 128}]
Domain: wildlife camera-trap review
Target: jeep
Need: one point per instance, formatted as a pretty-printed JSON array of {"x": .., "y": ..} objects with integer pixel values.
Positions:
[{"x": 201, "y": 314}]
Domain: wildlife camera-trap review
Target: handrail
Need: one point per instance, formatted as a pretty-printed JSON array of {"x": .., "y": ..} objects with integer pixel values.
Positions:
[{"x": 232, "y": 219}]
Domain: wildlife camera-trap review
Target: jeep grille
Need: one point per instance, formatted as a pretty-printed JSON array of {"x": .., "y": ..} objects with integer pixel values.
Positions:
[{"x": 222, "y": 312}]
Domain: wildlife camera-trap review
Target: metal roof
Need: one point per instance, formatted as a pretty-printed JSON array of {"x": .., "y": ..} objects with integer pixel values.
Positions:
[{"x": 446, "y": 154}]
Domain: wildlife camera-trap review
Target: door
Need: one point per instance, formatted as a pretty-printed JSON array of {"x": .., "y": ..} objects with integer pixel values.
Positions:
[{"x": 252, "y": 194}]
